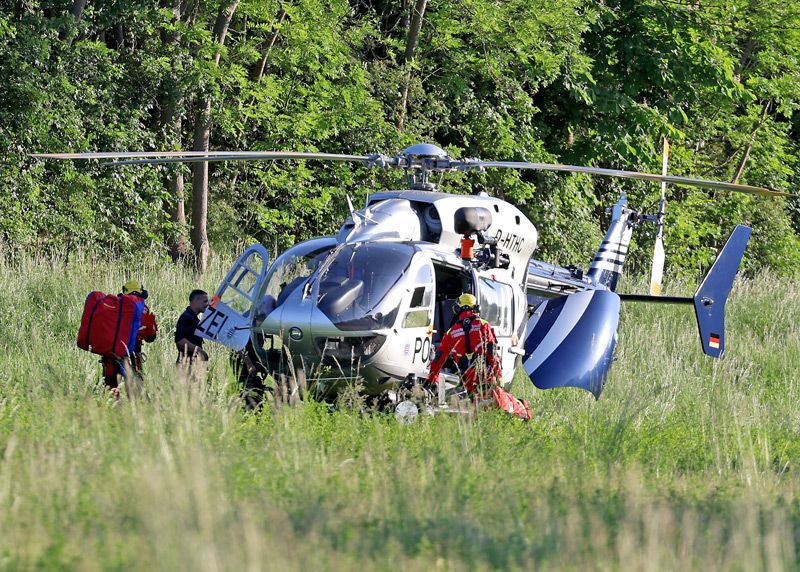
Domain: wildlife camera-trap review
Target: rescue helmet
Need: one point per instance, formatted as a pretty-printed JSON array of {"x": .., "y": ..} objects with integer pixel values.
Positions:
[
  {"x": 467, "y": 301},
  {"x": 134, "y": 287}
]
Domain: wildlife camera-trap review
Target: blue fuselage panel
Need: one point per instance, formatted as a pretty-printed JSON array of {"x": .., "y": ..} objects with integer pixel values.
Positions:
[{"x": 571, "y": 340}]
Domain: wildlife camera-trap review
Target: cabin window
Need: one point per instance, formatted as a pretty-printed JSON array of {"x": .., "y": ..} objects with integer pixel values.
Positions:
[
  {"x": 497, "y": 305},
  {"x": 419, "y": 313},
  {"x": 417, "y": 319},
  {"x": 240, "y": 289}
]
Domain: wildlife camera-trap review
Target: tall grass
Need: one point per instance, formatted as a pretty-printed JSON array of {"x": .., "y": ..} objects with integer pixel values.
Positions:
[{"x": 685, "y": 462}]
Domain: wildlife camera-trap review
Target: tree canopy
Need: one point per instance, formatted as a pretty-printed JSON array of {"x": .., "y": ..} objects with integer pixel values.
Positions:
[{"x": 575, "y": 82}]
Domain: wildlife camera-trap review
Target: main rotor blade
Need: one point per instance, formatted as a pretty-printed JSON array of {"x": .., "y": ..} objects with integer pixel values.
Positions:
[
  {"x": 158, "y": 157},
  {"x": 136, "y": 154},
  {"x": 632, "y": 175},
  {"x": 137, "y": 158}
]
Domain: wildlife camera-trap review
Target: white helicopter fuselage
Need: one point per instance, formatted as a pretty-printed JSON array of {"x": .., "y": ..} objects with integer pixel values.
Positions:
[{"x": 374, "y": 301}]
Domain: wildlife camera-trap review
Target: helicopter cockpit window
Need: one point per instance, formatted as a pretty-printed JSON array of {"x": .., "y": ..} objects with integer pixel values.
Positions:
[
  {"x": 497, "y": 306},
  {"x": 289, "y": 271},
  {"x": 356, "y": 285}
]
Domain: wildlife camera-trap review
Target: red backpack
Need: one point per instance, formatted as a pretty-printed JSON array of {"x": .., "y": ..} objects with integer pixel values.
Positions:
[{"x": 110, "y": 324}]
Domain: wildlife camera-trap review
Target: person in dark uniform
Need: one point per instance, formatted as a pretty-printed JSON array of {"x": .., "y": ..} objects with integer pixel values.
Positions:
[
  {"x": 252, "y": 376},
  {"x": 190, "y": 346}
]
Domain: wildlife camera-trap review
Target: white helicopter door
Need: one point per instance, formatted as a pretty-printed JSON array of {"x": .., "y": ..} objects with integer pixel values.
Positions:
[
  {"x": 227, "y": 320},
  {"x": 496, "y": 300}
]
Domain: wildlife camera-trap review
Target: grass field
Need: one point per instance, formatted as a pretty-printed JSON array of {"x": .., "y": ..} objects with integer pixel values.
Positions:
[{"x": 684, "y": 463}]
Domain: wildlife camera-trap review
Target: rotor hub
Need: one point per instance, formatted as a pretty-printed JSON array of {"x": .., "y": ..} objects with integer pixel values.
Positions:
[
  {"x": 424, "y": 150},
  {"x": 419, "y": 162}
]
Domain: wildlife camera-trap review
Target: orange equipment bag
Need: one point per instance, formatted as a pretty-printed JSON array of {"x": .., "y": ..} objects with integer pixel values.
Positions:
[
  {"x": 510, "y": 404},
  {"x": 110, "y": 324}
]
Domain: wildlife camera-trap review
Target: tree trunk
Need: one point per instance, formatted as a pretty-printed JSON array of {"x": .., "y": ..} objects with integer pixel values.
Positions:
[
  {"x": 77, "y": 9},
  {"x": 172, "y": 126},
  {"x": 119, "y": 36},
  {"x": 412, "y": 39},
  {"x": 202, "y": 136},
  {"x": 178, "y": 248},
  {"x": 175, "y": 185},
  {"x": 223, "y": 23},
  {"x": 749, "y": 146},
  {"x": 413, "y": 31},
  {"x": 265, "y": 58}
]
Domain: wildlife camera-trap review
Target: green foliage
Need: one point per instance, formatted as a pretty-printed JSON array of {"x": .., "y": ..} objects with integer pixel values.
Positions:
[
  {"x": 59, "y": 95},
  {"x": 573, "y": 82}
]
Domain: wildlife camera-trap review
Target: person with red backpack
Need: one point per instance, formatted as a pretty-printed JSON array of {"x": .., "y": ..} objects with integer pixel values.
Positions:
[
  {"x": 472, "y": 344},
  {"x": 115, "y": 365}
]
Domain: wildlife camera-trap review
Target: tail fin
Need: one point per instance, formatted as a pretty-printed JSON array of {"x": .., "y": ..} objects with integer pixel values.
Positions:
[{"x": 711, "y": 296}]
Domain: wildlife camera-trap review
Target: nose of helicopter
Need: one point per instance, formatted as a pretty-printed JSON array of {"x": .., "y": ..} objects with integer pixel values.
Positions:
[
  {"x": 311, "y": 337},
  {"x": 290, "y": 320},
  {"x": 340, "y": 315}
]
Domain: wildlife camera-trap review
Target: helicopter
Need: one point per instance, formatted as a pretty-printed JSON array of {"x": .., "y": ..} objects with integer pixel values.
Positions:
[{"x": 373, "y": 301}]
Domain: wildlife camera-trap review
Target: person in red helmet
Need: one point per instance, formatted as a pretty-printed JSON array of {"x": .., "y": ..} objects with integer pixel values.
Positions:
[{"x": 472, "y": 343}]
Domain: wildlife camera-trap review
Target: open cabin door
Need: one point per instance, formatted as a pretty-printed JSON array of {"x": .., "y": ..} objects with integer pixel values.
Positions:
[
  {"x": 450, "y": 283},
  {"x": 227, "y": 320},
  {"x": 499, "y": 307}
]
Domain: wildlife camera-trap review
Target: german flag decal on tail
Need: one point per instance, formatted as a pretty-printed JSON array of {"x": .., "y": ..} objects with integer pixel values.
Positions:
[{"x": 713, "y": 341}]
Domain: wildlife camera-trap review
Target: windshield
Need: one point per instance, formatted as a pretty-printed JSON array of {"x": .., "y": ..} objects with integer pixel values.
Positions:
[
  {"x": 356, "y": 284},
  {"x": 290, "y": 270}
]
